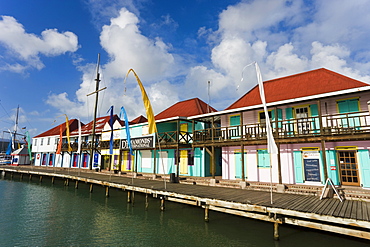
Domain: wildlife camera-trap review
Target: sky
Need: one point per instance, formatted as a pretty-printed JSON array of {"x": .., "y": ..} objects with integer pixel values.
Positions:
[{"x": 179, "y": 49}]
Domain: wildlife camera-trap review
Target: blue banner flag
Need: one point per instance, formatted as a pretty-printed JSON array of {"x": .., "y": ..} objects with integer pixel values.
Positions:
[
  {"x": 123, "y": 112},
  {"x": 9, "y": 149}
]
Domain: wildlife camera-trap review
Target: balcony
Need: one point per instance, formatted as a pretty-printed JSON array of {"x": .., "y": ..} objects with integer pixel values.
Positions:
[
  {"x": 175, "y": 137},
  {"x": 74, "y": 146},
  {"x": 344, "y": 125}
]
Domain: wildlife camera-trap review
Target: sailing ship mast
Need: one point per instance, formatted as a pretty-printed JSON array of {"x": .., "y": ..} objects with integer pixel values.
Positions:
[
  {"x": 16, "y": 126},
  {"x": 97, "y": 90}
]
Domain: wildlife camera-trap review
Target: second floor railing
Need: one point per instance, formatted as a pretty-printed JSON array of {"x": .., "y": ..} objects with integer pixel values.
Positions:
[{"x": 337, "y": 124}]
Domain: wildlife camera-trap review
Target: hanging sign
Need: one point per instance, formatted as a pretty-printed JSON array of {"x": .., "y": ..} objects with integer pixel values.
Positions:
[{"x": 143, "y": 142}]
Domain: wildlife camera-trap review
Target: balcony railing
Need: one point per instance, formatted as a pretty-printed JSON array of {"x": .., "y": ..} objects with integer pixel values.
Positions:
[
  {"x": 337, "y": 124},
  {"x": 74, "y": 146},
  {"x": 174, "y": 137}
]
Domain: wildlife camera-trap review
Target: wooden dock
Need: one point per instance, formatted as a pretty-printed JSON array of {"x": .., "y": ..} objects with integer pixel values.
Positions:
[{"x": 350, "y": 217}]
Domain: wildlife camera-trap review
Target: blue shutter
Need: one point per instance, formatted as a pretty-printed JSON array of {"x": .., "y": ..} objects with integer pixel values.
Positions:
[
  {"x": 298, "y": 166},
  {"x": 263, "y": 159},
  {"x": 235, "y": 120},
  {"x": 315, "y": 121},
  {"x": 332, "y": 166},
  {"x": 364, "y": 167},
  {"x": 289, "y": 125},
  {"x": 289, "y": 113}
]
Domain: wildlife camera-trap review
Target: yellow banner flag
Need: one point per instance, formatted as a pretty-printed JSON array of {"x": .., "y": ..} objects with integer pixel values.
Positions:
[
  {"x": 147, "y": 105},
  {"x": 67, "y": 127}
]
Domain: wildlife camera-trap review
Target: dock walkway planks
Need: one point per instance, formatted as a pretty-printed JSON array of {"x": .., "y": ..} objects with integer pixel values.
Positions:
[{"x": 351, "y": 217}]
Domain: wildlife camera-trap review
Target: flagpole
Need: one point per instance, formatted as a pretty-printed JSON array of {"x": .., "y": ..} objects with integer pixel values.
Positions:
[{"x": 271, "y": 145}]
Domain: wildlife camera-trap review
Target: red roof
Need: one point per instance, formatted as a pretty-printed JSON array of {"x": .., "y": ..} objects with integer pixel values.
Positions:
[
  {"x": 187, "y": 108},
  {"x": 99, "y": 125},
  {"x": 300, "y": 85},
  {"x": 139, "y": 119},
  {"x": 73, "y": 124}
]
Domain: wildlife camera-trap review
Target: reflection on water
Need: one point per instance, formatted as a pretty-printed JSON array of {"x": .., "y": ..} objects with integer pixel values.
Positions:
[{"x": 46, "y": 214}]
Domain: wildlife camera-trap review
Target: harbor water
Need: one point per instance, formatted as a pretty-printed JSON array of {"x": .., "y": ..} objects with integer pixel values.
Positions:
[{"x": 35, "y": 213}]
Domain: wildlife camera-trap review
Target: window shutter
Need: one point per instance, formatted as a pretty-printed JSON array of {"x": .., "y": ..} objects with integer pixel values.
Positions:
[
  {"x": 364, "y": 167},
  {"x": 298, "y": 166},
  {"x": 289, "y": 113},
  {"x": 235, "y": 120},
  {"x": 314, "y": 110}
]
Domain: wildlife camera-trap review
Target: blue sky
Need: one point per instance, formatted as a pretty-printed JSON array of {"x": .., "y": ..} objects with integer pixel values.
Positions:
[{"x": 49, "y": 50}]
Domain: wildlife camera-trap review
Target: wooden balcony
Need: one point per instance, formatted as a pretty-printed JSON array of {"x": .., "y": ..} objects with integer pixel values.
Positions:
[
  {"x": 74, "y": 146},
  {"x": 346, "y": 126},
  {"x": 175, "y": 137}
]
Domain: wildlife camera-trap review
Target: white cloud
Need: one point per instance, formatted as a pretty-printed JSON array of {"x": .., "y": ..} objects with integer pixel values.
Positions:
[
  {"x": 283, "y": 36},
  {"x": 29, "y": 47},
  {"x": 127, "y": 48}
]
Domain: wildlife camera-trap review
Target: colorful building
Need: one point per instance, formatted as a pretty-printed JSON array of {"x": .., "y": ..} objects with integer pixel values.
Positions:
[
  {"x": 321, "y": 124},
  {"x": 170, "y": 150}
]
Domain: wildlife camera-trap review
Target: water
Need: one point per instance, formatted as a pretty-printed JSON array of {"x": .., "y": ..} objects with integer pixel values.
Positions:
[{"x": 43, "y": 214}]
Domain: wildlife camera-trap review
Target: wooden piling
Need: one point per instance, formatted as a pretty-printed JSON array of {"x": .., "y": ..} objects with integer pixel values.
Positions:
[
  {"x": 107, "y": 191},
  {"x": 162, "y": 203},
  {"x": 276, "y": 230},
  {"x": 91, "y": 188},
  {"x": 3, "y": 173},
  {"x": 146, "y": 202},
  {"x": 40, "y": 179},
  {"x": 66, "y": 182},
  {"x": 206, "y": 213},
  {"x": 52, "y": 180},
  {"x": 129, "y": 196},
  {"x": 30, "y": 178},
  {"x": 76, "y": 184},
  {"x": 21, "y": 178}
]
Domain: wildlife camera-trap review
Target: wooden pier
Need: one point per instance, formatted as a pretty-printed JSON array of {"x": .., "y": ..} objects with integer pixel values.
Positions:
[{"x": 350, "y": 217}]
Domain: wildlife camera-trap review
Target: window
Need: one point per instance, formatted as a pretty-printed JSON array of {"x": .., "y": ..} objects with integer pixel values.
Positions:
[
  {"x": 301, "y": 112},
  {"x": 262, "y": 116},
  {"x": 42, "y": 142},
  {"x": 35, "y": 142},
  {"x": 48, "y": 141}
]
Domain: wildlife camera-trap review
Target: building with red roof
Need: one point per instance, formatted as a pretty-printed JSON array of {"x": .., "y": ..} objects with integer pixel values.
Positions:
[
  {"x": 320, "y": 123},
  {"x": 44, "y": 145}
]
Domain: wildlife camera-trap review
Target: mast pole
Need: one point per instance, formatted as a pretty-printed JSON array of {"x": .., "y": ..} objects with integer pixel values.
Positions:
[
  {"x": 97, "y": 80},
  {"x": 16, "y": 126}
]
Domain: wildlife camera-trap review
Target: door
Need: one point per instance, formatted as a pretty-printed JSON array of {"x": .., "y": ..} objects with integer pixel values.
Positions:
[
  {"x": 51, "y": 159},
  {"x": 162, "y": 162},
  {"x": 183, "y": 161},
  {"x": 348, "y": 167},
  {"x": 75, "y": 160}
]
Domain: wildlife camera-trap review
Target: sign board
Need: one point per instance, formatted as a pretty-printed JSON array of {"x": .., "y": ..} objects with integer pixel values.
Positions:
[
  {"x": 311, "y": 165},
  {"x": 143, "y": 142}
]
